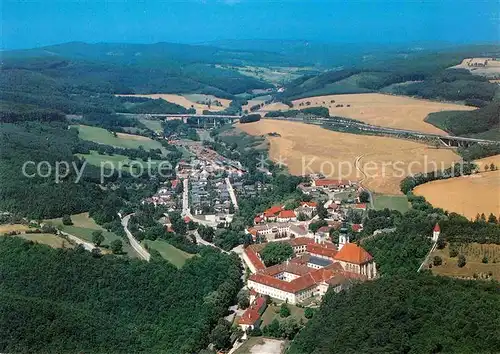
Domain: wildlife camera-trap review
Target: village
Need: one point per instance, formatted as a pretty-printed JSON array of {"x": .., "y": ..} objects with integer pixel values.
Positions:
[{"x": 318, "y": 229}]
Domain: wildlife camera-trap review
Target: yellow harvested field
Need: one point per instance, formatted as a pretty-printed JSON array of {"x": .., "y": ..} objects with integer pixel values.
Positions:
[
  {"x": 275, "y": 106},
  {"x": 186, "y": 102},
  {"x": 13, "y": 227},
  {"x": 383, "y": 110},
  {"x": 495, "y": 160},
  {"x": 380, "y": 163},
  {"x": 488, "y": 67},
  {"x": 467, "y": 195}
]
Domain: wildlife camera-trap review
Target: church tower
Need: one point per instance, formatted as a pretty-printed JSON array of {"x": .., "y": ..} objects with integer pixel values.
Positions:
[
  {"x": 343, "y": 239},
  {"x": 436, "y": 232}
]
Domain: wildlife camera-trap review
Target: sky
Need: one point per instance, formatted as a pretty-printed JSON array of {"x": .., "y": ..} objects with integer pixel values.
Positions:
[{"x": 34, "y": 23}]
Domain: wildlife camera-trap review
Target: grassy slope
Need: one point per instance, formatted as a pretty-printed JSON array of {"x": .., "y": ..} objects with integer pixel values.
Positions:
[
  {"x": 174, "y": 255},
  {"x": 119, "y": 161},
  {"x": 83, "y": 226},
  {"x": 102, "y": 136},
  {"x": 396, "y": 202}
]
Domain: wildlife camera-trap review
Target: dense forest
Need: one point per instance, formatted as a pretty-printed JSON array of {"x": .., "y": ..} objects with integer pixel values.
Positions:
[
  {"x": 70, "y": 301},
  {"x": 467, "y": 123},
  {"x": 410, "y": 314},
  {"x": 40, "y": 197}
]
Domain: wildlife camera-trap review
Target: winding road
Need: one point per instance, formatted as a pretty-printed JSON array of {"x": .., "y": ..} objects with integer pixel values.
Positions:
[{"x": 141, "y": 251}]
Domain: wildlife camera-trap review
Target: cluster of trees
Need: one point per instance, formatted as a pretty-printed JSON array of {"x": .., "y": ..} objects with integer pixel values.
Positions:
[
  {"x": 477, "y": 151},
  {"x": 380, "y": 219},
  {"x": 459, "y": 229},
  {"x": 179, "y": 129},
  {"x": 144, "y": 225},
  {"x": 410, "y": 314},
  {"x": 170, "y": 310},
  {"x": 276, "y": 253},
  {"x": 110, "y": 121},
  {"x": 249, "y": 118},
  {"x": 314, "y": 111},
  {"x": 459, "y": 169}
]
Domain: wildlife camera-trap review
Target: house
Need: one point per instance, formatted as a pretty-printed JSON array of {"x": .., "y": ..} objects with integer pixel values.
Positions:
[
  {"x": 251, "y": 318},
  {"x": 306, "y": 208},
  {"x": 286, "y": 216},
  {"x": 357, "y": 227}
]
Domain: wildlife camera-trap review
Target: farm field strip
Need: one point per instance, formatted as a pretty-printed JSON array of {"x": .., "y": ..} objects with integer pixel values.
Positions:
[{"x": 188, "y": 100}]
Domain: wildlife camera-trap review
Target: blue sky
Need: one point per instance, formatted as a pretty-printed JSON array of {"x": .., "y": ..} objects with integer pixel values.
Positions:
[{"x": 32, "y": 23}]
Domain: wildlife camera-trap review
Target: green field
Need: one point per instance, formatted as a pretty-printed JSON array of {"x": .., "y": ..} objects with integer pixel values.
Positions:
[
  {"x": 152, "y": 124},
  {"x": 168, "y": 252},
  {"x": 396, "y": 202},
  {"x": 102, "y": 136},
  {"x": 118, "y": 161},
  {"x": 48, "y": 239},
  {"x": 83, "y": 226}
]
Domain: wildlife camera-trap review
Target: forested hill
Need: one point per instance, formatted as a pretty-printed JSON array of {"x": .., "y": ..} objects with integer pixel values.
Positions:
[
  {"x": 79, "y": 78},
  {"x": 411, "y": 314},
  {"x": 67, "y": 301}
]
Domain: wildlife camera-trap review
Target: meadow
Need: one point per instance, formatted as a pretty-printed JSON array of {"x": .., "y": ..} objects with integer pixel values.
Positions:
[
  {"x": 118, "y": 161},
  {"x": 379, "y": 162},
  {"x": 84, "y": 225},
  {"x": 393, "y": 202},
  {"x": 172, "y": 254},
  {"x": 123, "y": 140},
  {"x": 474, "y": 253}
]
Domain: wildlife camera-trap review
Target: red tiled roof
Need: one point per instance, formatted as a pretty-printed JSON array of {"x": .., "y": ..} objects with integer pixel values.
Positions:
[
  {"x": 333, "y": 206},
  {"x": 352, "y": 253},
  {"x": 360, "y": 206},
  {"x": 274, "y": 210},
  {"x": 187, "y": 219},
  {"x": 254, "y": 258},
  {"x": 356, "y": 227},
  {"x": 300, "y": 241},
  {"x": 324, "y": 229},
  {"x": 309, "y": 204},
  {"x": 174, "y": 183},
  {"x": 287, "y": 214},
  {"x": 325, "y": 250},
  {"x": 329, "y": 182},
  {"x": 257, "y": 219},
  {"x": 252, "y": 315},
  {"x": 437, "y": 228},
  {"x": 308, "y": 280}
]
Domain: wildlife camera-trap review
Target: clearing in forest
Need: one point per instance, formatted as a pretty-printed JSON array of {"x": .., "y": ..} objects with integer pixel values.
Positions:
[
  {"x": 103, "y": 136},
  {"x": 379, "y": 162},
  {"x": 172, "y": 254},
  {"x": 382, "y": 110}
]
